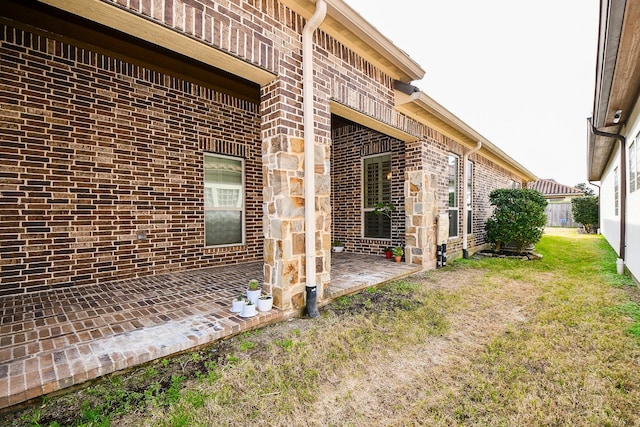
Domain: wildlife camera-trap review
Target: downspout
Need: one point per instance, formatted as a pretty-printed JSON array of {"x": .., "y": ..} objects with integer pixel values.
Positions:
[
  {"x": 599, "y": 198},
  {"x": 309, "y": 162},
  {"x": 465, "y": 214},
  {"x": 623, "y": 190}
]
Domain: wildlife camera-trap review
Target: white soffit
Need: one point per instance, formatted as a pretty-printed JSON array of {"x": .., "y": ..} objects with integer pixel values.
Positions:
[
  {"x": 153, "y": 32},
  {"x": 348, "y": 27},
  {"x": 427, "y": 111},
  {"x": 370, "y": 122}
]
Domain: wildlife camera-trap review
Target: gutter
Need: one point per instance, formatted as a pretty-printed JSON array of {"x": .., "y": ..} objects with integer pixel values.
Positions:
[
  {"x": 599, "y": 198},
  {"x": 465, "y": 214},
  {"x": 309, "y": 162},
  {"x": 623, "y": 190}
]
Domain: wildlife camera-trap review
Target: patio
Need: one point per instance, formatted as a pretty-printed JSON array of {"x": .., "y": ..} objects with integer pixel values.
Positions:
[{"x": 59, "y": 338}]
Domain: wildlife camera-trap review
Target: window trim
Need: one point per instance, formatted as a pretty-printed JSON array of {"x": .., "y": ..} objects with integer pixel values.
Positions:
[
  {"x": 634, "y": 164},
  {"x": 469, "y": 201},
  {"x": 241, "y": 209},
  {"x": 616, "y": 192},
  {"x": 456, "y": 203},
  {"x": 364, "y": 210}
]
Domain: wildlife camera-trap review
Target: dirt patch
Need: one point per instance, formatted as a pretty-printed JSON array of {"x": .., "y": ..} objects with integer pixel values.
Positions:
[
  {"x": 375, "y": 300},
  {"x": 119, "y": 392}
]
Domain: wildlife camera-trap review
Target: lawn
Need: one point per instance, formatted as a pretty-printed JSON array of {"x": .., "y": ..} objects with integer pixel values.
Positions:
[{"x": 483, "y": 342}]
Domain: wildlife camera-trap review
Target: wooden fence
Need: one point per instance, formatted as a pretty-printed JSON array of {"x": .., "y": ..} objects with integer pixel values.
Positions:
[{"x": 559, "y": 215}]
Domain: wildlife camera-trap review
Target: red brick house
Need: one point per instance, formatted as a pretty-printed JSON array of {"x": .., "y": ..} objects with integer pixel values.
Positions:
[{"x": 148, "y": 136}]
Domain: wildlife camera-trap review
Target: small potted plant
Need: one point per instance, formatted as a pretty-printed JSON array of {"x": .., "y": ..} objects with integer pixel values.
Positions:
[
  {"x": 265, "y": 303},
  {"x": 387, "y": 252},
  {"x": 384, "y": 208},
  {"x": 249, "y": 310},
  {"x": 337, "y": 246},
  {"x": 397, "y": 253},
  {"x": 238, "y": 304},
  {"x": 253, "y": 291}
]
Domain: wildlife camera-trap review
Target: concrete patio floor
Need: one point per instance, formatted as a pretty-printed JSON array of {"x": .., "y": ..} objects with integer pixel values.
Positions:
[{"x": 59, "y": 338}]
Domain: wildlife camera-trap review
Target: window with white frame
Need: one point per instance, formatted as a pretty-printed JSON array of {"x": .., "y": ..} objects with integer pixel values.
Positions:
[
  {"x": 376, "y": 183},
  {"x": 223, "y": 200},
  {"x": 514, "y": 185},
  {"x": 616, "y": 191},
  {"x": 453, "y": 195},
  {"x": 634, "y": 165},
  {"x": 469, "y": 201}
]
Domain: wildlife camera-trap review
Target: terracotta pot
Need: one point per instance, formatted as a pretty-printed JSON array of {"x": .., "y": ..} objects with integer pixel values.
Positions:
[{"x": 398, "y": 258}]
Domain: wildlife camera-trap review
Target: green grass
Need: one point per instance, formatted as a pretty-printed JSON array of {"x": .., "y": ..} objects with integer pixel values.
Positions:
[{"x": 482, "y": 342}]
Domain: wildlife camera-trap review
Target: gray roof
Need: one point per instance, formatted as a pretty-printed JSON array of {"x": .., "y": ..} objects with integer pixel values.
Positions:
[{"x": 550, "y": 188}]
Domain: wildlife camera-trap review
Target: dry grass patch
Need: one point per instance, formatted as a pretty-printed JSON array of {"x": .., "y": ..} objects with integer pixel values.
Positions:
[{"x": 484, "y": 342}]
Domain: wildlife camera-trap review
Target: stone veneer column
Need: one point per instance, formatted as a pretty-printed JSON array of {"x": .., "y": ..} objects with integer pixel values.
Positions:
[
  {"x": 421, "y": 207},
  {"x": 283, "y": 195}
]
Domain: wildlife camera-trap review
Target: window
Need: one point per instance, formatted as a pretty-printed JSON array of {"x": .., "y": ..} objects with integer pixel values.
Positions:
[
  {"x": 634, "y": 163},
  {"x": 514, "y": 185},
  {"x": 223, "y": 200},
  {"x": 616, "y": 191},
  {"x": 453, "y": 195},
  {"x": 637, "y": 156},
  {"x": 469, "y": 197},
  {"x": 377, "y": 189}
]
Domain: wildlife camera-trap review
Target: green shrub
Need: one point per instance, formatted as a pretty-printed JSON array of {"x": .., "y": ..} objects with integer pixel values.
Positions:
[
  {"x": 518, "y": 218},
  {"x": 585, "y": 211}
]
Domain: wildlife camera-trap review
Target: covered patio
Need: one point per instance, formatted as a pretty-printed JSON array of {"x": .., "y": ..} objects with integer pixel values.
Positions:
[{"x": 59, "y": 338}]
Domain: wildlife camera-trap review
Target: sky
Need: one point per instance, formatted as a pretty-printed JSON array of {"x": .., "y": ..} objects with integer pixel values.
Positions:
[{"x": 519, "y": 72}]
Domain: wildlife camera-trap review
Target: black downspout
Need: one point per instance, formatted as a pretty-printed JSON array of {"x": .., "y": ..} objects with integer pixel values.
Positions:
[
  {"x": 623, "y": 182},
  {"x": 599, "y": 198}
]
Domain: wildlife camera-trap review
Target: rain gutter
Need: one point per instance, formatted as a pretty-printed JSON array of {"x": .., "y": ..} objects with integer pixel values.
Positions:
[
  {"x": 309, "y": 151},
  {"x": 623, "y": 190}
]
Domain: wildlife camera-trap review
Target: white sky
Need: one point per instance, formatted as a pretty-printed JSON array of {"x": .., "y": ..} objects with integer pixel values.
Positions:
[{"x": 519, "y": 72}]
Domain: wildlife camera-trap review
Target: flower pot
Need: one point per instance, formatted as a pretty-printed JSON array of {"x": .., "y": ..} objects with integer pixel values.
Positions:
[
  {"x": 398, "y": 258},
  {"x": 265, "y": 303},
  {"x": 337, "y": 248},
  {"x": 237, "y": 305},
  {"x": 387, "y": 254},
  {"x": 249, "y": 310},
  {"x": 253, "y": 296}
]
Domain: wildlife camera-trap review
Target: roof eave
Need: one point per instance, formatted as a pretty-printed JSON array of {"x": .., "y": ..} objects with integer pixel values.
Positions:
[
  {"x": 347, "y": 26},
  {"x": 426, "y": 110},
  {"x": 617, "y": 78}
]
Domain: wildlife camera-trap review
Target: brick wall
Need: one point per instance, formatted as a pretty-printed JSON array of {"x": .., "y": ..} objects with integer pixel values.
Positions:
[
  {"x": 350, "y": 144},
  {"x": 96, "y": 153},
  {"x": 487, "y": 176}
]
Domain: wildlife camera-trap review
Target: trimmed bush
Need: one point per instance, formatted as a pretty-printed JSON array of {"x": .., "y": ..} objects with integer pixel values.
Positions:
[
  {"x": 518, "y": 218},
  {"x": 585, "y": 211}
]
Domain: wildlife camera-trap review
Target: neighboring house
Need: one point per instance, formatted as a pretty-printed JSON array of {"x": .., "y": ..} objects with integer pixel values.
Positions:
[
  {"x": 145, "y": 137},
  {"x": 559, "y": 196},
  {"x": 613, "y": 156}
]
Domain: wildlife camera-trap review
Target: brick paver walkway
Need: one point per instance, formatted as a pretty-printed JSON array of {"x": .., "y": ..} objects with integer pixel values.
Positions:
[{"x": 55, "y": 339}]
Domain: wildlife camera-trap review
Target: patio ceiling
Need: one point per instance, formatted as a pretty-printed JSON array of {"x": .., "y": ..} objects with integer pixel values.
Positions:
[{"x": 107, "y": 29}]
